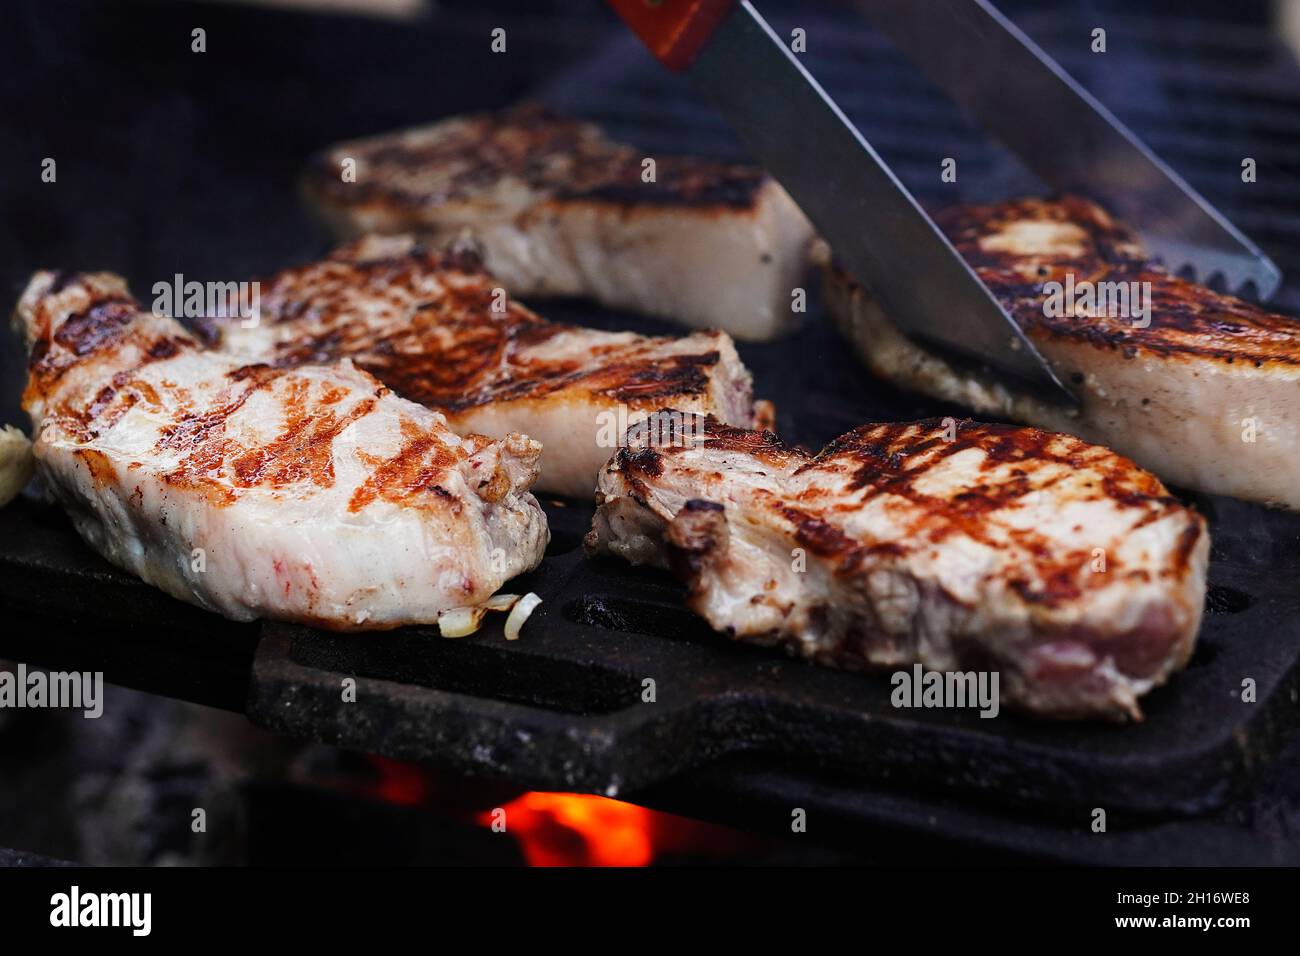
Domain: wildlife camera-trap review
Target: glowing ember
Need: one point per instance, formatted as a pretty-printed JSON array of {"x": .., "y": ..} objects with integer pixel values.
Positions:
[
  {"x": 398, "y": 782},
  {"x": 574, "y": 829}
]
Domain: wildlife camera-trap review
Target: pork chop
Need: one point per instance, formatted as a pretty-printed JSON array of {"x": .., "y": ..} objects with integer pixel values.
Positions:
[
  {"x": 438, "y": 330},
  {"x": 559, "y": 209},
  {"x": 309, "y": 494},
  {"x": 955, "y": 545},
  {"x": 1207, "y": 394}
]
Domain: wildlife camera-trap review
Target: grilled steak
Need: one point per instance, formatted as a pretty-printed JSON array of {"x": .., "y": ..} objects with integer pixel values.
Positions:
[
  {"x": 309, "y": 494},
  {"x": 437, "y": 329},
  {"x": 1056, "y": 563},
  {"x": 561, "y": 210},
  {"x": 1207, "y": 394}
]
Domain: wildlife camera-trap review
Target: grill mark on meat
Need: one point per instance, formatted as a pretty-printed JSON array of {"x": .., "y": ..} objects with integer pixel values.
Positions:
[
  {"x": 218, "y": 435},
  {"x": 678, "y": 182},
  {"x": 304, "y": 451},
  {"x": 201, "y": 470},
  {"x": 898, "y": 457},
  {"x": 61, "y": 280},
  {"x": 109, "y": 405},
  {"x": 891, "y": 470},
  {"x": 193, "y": 430},
  {"x": 97, "y": 326},
  {"x": 826, "y": 540},
  {"x": 638, "y": 460},
  {"x": 644, "y": 461},
  {"x": 103, "y": 327},
  {"x": 999, "y": 444},
  {"x": 566, "y": 159},
  {"x": 164, "y": 348},
  {"x": 761, "y": 444},
  {"x": 100, "y": 466},
  {"x": 103, "y": 398},
  {"x": 890, "y": 513},
  {"x": 1187, "y": 319},
  {"x": 1058, "y": 585},
  {"x": 436, "y": 337},
  {"x": 674, "y": 376},
  {"x": 203, "y": 436},
  {"x": 102, "y": 414},
  {"x": 406, "y": 477}
]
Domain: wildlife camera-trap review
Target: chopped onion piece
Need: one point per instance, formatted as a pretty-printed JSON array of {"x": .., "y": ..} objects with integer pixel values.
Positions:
[
  {"x": 460, "y": 621},
  {"x": 525, "y": 606},
  {"x": 501, "y": 602}
]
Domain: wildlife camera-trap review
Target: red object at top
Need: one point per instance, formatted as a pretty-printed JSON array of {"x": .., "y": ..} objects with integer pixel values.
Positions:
[{"x": 674, "y": 30}]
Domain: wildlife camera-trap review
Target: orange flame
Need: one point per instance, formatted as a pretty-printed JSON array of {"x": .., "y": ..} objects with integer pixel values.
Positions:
[
  {"x": 562, "y": 829},
  {"x": 576, "y": 829}
]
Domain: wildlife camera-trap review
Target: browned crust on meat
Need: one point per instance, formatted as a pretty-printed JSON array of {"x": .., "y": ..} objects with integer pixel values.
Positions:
[
  {"x": 698, "y": 532},
  {"x": 561, "y": 160},
  {"x": 438, "y": 330},
  {"x": 412, "y": 476},
  {"x": 1187, "y": 320},
  {"x": 101, "y": 327},
  {"x": 677, "y": 431},
  {"x": 895, "y": 459},
  {"x": 1065, "y": 661},
  {"x": 100, "y": 466},
  {"x": 212, "y": 462}
]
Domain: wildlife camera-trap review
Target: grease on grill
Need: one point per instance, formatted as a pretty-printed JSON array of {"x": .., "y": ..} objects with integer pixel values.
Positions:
[
  {"x": 638, "y": 617},
  {"x": 1221, "y": 599}
]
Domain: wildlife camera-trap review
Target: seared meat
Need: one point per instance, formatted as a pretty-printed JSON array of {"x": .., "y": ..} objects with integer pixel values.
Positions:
[
  {"x": 440, "y": 331},
  {"x": 309, "y": 494},
  {"x": 16, "y": 464},
  {"x": 956, "y": 545},
  {"x": 1207, "y": 394},
  {"x": 561, "y": 210}
]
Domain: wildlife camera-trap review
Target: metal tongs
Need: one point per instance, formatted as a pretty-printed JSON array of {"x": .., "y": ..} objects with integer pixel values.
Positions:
[{"x": 878, "y": 230}]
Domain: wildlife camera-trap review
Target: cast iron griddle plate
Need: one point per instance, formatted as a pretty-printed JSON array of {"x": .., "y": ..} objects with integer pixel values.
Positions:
[{"x": 562, "y": 707}]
